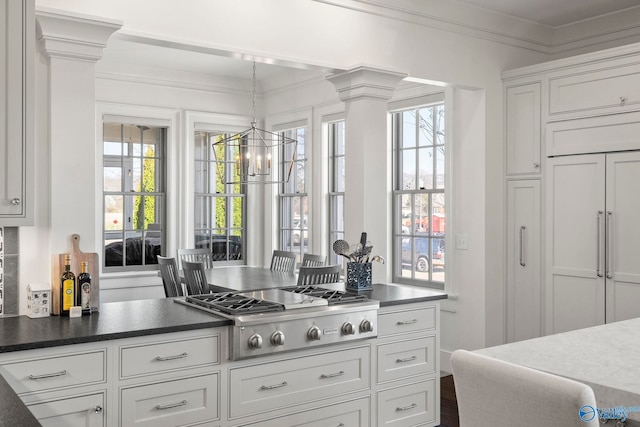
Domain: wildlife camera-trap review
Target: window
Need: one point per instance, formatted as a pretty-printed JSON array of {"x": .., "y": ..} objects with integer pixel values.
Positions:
[
  {"x": 335, "y": 134},
  {"x": 219, "y": 208},
  {"x": 293, "y": 196},
  {"x": 419, "y": 202},
  {"x": 133, "y": 195}
]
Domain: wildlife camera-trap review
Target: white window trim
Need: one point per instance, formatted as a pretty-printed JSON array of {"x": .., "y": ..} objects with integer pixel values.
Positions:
[{"x": 140, "y": 115}]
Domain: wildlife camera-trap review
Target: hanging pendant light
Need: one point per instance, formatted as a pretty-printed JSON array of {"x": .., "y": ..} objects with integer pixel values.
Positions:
[{"x": 247, "y": 157}]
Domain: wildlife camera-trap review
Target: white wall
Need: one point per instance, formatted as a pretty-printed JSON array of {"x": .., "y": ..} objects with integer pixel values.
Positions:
[{"x": 340, "y": 38}]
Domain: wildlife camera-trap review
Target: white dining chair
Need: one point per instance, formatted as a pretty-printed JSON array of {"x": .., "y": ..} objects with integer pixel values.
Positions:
[{"x": 491, "y": 392}]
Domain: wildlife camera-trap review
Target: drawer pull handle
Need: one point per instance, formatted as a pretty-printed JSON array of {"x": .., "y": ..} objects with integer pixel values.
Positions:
[
  {"x": 407, "y": 322},
  {"x": 43, "y": 376},
  {"x": 408, "y": 359},
  {"x": 335, "y": 374},
  {"x": 177, "y": 356},
  {"x": 171, "y": 405},
  {"x": 271, "y": 387},
  {"x": 406, "y": 408}
]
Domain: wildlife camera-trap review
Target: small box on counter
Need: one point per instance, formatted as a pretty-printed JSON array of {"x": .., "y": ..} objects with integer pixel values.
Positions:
[{"x": 38, "y": 300}]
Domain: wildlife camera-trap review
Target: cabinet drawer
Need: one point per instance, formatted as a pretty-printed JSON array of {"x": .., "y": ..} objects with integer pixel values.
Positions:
[
  {"x": 82, "y": 411},
  {"x": 616, "y": 88},
  {"x": 49, "y": 373},
  {"x": 408, "y": 405},
  {"x": 400, "y": 322},
  {"x": 171, "y": 403},
  {"x": 288, "y": 382},
  {"x": 169, "y": 355},
  {"x": 402, "y": 359},
  {"x": 352, "y": 414}
]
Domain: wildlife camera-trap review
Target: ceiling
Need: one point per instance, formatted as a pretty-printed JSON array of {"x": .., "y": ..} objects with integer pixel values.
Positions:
[
  {"x": 129, "y": 50},
  {"x": 554, "y": 13}
]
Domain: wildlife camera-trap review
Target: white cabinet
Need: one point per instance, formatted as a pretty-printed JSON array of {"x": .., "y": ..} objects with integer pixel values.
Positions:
[
  {"x": 62, "y": 386},
  {"x": 275, "y": 384},
  {"x": 593, "y": 275},
  {"x": 604, "y": 87},
  {"x": 523, "y": 110},
  {"x": 170, "y": 379},
  {"x": 17, "y": 35},
  {"x": 81, "y": 411},
  {"x": 407, "y": 370},
  {"x": 524, "y": 287}
]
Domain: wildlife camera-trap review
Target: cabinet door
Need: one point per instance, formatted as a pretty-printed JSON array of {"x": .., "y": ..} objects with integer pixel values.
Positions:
[
  {"x": 623, "y": 236},
  {"x": 17, "y": 31},
  {"x": 83, "y": 411},
  {"x": 575, "y": 290},
  {"x": 523, "y": 129},
  {"x": 524, "y": 288}
]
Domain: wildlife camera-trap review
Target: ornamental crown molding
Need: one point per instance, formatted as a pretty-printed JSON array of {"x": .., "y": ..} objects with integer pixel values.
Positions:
[
  {"x": 75, "y": 36},
  {"x": 364, "y": 82}
]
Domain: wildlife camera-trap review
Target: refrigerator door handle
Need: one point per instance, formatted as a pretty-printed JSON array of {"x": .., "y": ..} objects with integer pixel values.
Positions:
[
  {"x": 609, "y": 270},
  {"x": 598, "y": 244},
  {"x": 522, "y": 263}
]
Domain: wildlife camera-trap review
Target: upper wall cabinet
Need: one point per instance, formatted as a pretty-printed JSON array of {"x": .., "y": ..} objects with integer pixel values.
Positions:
[
  {"x": 523, "y": 108},
  {"x": 595, "y": 89},
  {"x": 17, "y": 35}
]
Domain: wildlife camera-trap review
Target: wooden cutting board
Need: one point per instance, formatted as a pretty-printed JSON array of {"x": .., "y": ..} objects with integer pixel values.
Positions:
[{"x": 77, "y": 256}]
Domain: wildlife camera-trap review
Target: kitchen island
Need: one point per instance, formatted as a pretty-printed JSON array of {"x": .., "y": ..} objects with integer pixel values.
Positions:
[
  {"x": 603, "y": 357},
  {"x": 118, "y": 343}
]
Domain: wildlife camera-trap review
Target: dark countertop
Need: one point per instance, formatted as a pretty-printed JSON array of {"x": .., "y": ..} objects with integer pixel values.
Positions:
[
  {"x": 13, "y": 412},
  {"x": 115, "y": 320}
]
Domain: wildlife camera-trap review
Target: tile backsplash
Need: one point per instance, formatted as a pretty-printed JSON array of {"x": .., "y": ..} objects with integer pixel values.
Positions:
[{"x": 8, "y": 270}]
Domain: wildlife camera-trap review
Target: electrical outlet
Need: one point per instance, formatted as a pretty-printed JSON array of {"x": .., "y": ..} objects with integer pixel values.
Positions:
[{"x": 462, "y": 241}]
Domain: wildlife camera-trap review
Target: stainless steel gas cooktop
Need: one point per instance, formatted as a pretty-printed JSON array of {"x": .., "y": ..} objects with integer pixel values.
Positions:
[{"x": 276, "y": 320}]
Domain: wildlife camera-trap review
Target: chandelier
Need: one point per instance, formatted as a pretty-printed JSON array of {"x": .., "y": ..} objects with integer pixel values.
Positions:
[{"x": 247, "y": 157}]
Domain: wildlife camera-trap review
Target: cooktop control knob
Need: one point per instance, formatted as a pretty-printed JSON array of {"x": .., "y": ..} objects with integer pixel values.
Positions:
[
  {"x": 314, "y": 333},
  {"x": 277, "y": 338},
  {"x": 348, "y": 329},
  {"x": 366, "y": 326},
  {"x": 255, "y": 341}
]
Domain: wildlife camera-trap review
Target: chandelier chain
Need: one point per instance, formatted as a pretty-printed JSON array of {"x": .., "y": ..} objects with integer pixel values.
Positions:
[{"x": 254, "y": 92}]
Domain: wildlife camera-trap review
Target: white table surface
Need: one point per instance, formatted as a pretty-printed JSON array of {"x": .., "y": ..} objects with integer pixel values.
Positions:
[{"x": 605, "y": 357}]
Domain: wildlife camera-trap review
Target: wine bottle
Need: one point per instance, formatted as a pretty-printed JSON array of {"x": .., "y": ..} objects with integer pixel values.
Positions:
[
  {"x": 84, "y": 289},
  {"x": 67, "y": 287}
]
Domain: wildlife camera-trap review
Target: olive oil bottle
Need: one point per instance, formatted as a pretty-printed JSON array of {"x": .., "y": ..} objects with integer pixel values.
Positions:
[
  {"x": 83, "y": 294},
  {"x": 67, "y": 287}
]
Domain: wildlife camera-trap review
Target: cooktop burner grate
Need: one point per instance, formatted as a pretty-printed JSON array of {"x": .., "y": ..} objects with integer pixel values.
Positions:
[
  {"x": 333, "y": 297},
  {"x": 231, "y": 303}
]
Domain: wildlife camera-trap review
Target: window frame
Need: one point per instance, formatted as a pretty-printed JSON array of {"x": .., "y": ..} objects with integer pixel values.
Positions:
[
  {"x": 160, "y": 179},
  {"x": 214, "y": 195},
  {"x": 335, "y": 136},
  {"x": 412, "y": 235},
  {"x": 289, "y": 192}
]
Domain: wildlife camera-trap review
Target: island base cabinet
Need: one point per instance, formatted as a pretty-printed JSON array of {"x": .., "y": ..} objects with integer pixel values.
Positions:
[
  {"x": 171, "y": 403},
  {"x": 348, "y": 414},
  {"x": 81, "y": 411},
  {"x": 408, "y": 405}
]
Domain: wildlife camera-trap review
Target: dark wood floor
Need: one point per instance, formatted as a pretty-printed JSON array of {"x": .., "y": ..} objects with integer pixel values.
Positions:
[{"x": 448, "y": 404}]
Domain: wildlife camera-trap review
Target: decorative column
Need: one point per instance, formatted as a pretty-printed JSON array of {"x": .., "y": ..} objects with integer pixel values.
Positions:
[
  {"x": 73, "y": 44},
  {"x": 368, "y": 154}
]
